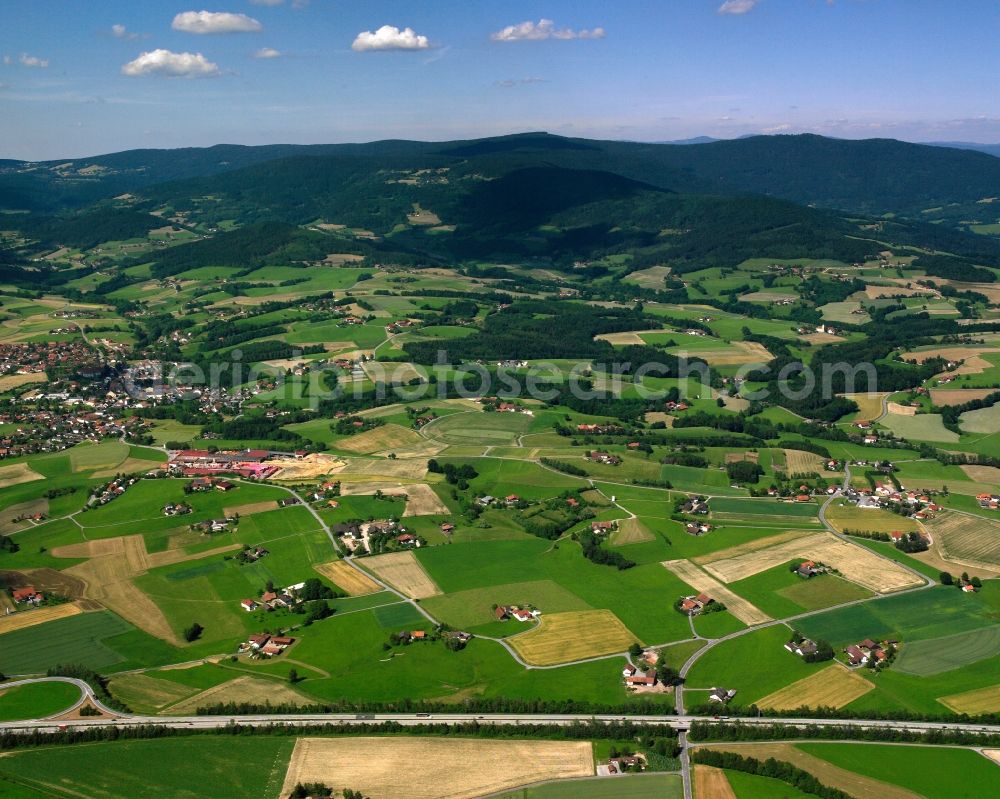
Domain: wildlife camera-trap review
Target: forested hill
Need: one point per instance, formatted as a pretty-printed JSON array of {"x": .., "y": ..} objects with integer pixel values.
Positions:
[{"x": 875, "y": 176}]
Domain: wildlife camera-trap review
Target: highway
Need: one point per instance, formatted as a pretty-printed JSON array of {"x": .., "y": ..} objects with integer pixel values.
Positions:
[{"x": 681, "y": 723}]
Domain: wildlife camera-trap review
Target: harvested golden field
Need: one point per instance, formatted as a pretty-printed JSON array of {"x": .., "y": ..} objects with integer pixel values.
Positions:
[
  {"x": 250, "y": 508},
  {"x": 8, "y": 382},
  {"x": 854, "y": 562},
  {"x": 799, "y": 462},
  {"x": 16, "y": 474},
  {"x": 834, "y": 686},
  {"x": 739, "y": 457},
  {"x": 900, "y": 410},
  {"x": 435, "y": 768},
  {"x": 307, "y": 468},
  {"x": 400, "y": 468},
  {"x": 346, "y": 577},
  {"x": 827, "y": 773},
  {"x": 368, "y": 487},
  {"x": 983, "y": 474},
  {"x": 743, "y": 610},
  {"x": 128, "y": 466},
  {"x": 141, "y": 690},
  {"x": 384, "y": 438},
  {"x": 421, "y": 216},
  {"x": 649, "y": 278},
  {"x": 29, "y": 618},
  {"x": 422, "y": 501},
  {"x": 993, "y": 754},
  {"x": 711, "y": 783},
  {"x": 171, "y": 556},
  {"x": 659, "y": 416},
  {"x": 751, "y": 546},
  {"x": 625, "y": 337},
  {"x": 341, "y": 258},
  {"x": 877, "y": 292},
  {"x": 737, "y": 354},
  {"x": 564, "y": 637},
  {"x": 107, "y": 575},
  {"x": 949, "y": 353},
  {"x": 817, "y": 339},
  {"x": 869, "y": 405},
  {"x": 845, "y": 516},
  {"x": 403, "y": 572},
  {"x": 255, "y": 690},
  {"x": 982, "y": 700},
  {"x": 631, "y": 531},
  {"x": 958, "y": 396},
  {"x": 966, "y": 539}
]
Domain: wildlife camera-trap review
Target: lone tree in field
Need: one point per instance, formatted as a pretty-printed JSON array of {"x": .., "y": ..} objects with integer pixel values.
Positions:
[
  {"x": 947, "y": 579},
  {"x": 193, "y": 633}
]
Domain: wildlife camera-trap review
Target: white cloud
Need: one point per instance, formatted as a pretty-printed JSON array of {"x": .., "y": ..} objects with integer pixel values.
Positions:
[
  {"x": 171, "y": 65},
  {"x": 737, "y": 6},
  {"x": 543, "y": 29},
  {"x": 511, "y": 82},
  {"x": 7, "y": 60},
  {"x": 267, "y": 52},
  {"x": 389, "y": 37},
  {"x": 33, "y": 61},
  {"x": 119, "y": 31},
  {"x": 215, "y": 22}
]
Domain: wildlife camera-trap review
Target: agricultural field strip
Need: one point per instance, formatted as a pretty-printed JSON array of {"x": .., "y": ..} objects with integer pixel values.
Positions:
[
  {"x": 742, "y": 609},
  {"x": 854, "y": 563},
  {"x": 464, "y": 768},
  {"x": 834, "y": 776},
  {"x": 834, "y": 686}
]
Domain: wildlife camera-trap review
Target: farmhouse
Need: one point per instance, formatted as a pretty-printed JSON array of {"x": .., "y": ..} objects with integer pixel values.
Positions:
[
  {"x": 989, "y": 501},
  {"x": 698, "y": 505},
  {"x": 27, "y": 595},
  {"x": 638, "y": 679},
  {"x": 249, "y": 605},
  {"x": 265, "y": 645},
  {"x": 504, "y": 612},
  {"x": 694, "y": 528},
  {"x": 810, "y": 568},
  {"x": 605, "y": 458},
  {"x": 693, "y": 605},
  {"x": 869, "y": 652},
  {"x": 721, "y": 695},
  {"x": 602, "y": 528},
  {"x": 803, "y": 648},
  {"x": 621, "y": 765}
]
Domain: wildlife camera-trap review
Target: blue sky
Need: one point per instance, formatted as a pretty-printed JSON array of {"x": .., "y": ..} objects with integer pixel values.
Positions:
[{"x": 79, "y": 78}]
